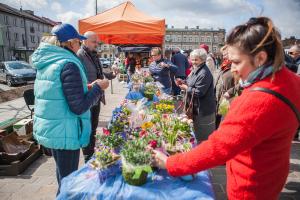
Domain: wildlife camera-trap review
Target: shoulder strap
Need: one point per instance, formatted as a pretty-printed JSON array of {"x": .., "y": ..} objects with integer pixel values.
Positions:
[{"x": 282, "y": 98}]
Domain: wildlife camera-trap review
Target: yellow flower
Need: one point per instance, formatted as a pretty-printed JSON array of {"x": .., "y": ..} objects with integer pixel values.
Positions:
[{"x": 147, "y": 125}]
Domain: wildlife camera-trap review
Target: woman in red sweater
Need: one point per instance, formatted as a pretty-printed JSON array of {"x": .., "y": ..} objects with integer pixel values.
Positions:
[{"x": 255, "y": 137}]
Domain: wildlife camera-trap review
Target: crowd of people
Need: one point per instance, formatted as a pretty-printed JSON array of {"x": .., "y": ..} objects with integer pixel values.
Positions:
[{"x": 253, "y": 73}]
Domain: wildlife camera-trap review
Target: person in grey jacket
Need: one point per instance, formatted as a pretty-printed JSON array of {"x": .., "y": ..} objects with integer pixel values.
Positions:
[
  {"x": 161, "y": 70},
  {"x": 88, "y": 56},
  {"x": 199, "y": 89}
]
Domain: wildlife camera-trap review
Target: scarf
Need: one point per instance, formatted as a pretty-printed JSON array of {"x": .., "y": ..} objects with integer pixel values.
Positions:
[{"x": 257, "y": 75}]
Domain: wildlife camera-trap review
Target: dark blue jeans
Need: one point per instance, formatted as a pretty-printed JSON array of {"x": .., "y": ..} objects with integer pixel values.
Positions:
[{"x": 66, "y": 162}]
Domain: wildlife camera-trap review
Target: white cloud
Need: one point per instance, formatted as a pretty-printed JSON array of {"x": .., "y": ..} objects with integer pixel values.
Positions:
[
  {"x": 70, "y": 17},
  {"x": 56, "y": 7},
  {"x": 180, "y": 13},
  {"x": 27, "y": 4}
]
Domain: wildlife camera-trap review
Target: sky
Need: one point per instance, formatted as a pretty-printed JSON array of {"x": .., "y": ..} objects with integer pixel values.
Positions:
[{"x": 178, "y": 13}]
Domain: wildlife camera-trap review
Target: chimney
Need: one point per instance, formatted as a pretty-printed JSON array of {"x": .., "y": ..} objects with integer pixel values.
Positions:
[
  {"x": 197, "y": 27},
  {"x": 172, "y": 26},
  {"x": 186, "y": 27},
  {"x": 166, "y": 26}
]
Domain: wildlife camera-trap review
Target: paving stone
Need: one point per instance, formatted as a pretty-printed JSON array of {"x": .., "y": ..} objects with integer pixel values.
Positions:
[
  {"x": 220, "y": 196},
  {"x": 218, "y": 187},
  {"x": 47, "y": 190},
  {"x": 5, "y": 196},
  {"x": 46, "y": 181},
  {"x": 11, "y": 187}
]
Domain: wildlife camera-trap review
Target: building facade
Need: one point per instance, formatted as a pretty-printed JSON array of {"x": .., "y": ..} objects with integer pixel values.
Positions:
[
  {"x": 20, "y": 32},
  {"x": 189, "y": 39}
]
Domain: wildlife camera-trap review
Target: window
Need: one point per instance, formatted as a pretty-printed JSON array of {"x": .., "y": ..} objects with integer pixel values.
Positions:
[
  {"x": 184, "y": 38},
  {"x": 202, "y": 39},
  {"x": 196, "y": 39},
  {"x": 7, "y": 35},
  {"x": 38, "y": 27},
  {"x": 191, "y": 38},
  {"x": 32, "y": 38},
  {"x": 167, "y": 37},
  {"x": 23, "y": 39},
  {"x": 38, "y": 39},
  {"x": 6, "y": 19},
  {"x": 208, "y": 39},
  {"x": 15, "y": 21},
  {"x": 179, "y": 38},
  {"x": 16, "y": 36},
  {"x": 214, "y": 49},
  {"x": 216, "y": 39},
  {"x": 22, "y": 23}
]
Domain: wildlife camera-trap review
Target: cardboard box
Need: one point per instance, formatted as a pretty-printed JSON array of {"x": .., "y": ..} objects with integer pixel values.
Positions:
[{"x": 23, "y": 127}]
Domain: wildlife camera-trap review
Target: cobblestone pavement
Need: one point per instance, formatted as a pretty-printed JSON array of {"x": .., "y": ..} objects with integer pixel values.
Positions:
[{"x": 38, "y": 182}]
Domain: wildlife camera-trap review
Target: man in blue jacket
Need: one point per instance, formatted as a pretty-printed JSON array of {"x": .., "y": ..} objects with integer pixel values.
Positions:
[
  {"x": 182, "y": 63},
  {"x": 161, "y": 70},
  {"x": 62, "y": 100}
]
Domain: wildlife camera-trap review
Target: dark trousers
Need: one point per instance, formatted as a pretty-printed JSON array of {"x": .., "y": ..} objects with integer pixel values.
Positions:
[
  {"x": 176, "y": 89},
  {"x": 66, "y": 162},
  {"x": 89, "y": 150}
]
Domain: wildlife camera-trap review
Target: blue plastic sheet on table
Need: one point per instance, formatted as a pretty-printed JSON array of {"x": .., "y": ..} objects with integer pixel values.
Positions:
[
  {"x": 134, "y": 95},
  {"x": 84, "y": 184},
  {"x": 112, "y": 170}
]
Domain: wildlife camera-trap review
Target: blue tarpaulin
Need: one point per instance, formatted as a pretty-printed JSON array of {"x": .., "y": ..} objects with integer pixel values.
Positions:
[{"x": 85, "y": 184}]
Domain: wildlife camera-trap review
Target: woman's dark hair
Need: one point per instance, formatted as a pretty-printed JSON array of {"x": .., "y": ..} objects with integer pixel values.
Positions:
[{"x": 258, "y": 34}]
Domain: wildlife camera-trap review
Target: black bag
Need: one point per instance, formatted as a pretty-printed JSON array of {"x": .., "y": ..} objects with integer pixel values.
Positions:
[{"x": 189, "y": 106}]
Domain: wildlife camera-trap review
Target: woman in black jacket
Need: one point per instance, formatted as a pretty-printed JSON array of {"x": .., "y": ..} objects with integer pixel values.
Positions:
[{"x": 199, "y": 89}]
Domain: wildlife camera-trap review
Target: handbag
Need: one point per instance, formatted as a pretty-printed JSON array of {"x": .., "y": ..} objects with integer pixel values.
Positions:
[{"x": 189, "y": 109}]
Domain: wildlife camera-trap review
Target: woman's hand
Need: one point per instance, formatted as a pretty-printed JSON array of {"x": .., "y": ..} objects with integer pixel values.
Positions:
[
  {"x": 226, "y": 95},
  {"x": 178, "y": 81},
  {"x": 183, "y": 87},
  {"x": 159, "y": 159}
]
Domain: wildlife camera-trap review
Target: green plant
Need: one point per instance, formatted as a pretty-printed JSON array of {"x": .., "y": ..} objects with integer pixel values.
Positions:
[
  {"x": 134, "y": 152},
  {"x": 136, "y": 162},
  {"x": 104, "y": 155},
  {"x": 148, "y": 79},
  {"x": 110, "y": 139}
]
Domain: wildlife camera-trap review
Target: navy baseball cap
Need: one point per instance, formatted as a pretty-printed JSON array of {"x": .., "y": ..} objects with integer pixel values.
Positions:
[{"x": 65, "y": 32}]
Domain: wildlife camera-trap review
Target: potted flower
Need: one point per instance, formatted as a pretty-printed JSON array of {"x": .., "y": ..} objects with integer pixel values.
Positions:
[
  {"x": 149, "y": 91},
  {"x": 106, "y": 162},
  {"x": 136, "y": 162},
  {"x": 113, "y": 140}
]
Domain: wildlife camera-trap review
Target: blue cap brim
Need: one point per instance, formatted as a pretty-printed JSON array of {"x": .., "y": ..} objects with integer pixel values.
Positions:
[{"x": 81, "y": 37}]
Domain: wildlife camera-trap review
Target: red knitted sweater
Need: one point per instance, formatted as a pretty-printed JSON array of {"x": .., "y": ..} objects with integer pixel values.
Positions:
[{"x": 254, "y": 139}]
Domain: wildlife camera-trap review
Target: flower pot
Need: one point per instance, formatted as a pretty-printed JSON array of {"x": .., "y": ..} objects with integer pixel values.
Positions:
[
  {"x": 149, "y": 95},
  {"x": 128, "y": 177}
]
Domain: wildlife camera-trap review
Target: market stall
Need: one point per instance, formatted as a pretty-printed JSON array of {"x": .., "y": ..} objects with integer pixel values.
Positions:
[
  {"x": 129, "y": 29},
  {"x": 125, "y": 24},
  {"x": 122, "y": 164}
]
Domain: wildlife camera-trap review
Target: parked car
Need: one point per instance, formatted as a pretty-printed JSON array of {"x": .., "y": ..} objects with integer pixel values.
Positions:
[
  {"x": 105, "y": 62},
  {"x": 17, "y": 72}
]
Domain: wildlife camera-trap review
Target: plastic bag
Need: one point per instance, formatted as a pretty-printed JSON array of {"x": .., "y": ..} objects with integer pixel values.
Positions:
[{"x": 223, "y": 107}]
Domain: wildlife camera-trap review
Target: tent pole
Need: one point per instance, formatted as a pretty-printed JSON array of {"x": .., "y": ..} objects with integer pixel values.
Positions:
[{"x": 96, "y": 8}]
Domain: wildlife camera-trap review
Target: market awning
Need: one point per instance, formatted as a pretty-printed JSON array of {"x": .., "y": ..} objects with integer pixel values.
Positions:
[{"x": 124, "y": 24}]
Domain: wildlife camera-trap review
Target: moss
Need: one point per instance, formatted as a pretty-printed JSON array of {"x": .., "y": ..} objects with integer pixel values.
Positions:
[{"x": 137, "y": 182}]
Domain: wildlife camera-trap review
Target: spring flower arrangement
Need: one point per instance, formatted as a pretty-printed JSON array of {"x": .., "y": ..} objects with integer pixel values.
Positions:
[{"x": 136, "y": 127}]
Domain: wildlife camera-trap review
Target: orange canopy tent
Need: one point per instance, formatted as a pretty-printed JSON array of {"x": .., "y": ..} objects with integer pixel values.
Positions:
[{"x": 124, "y": 24}]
